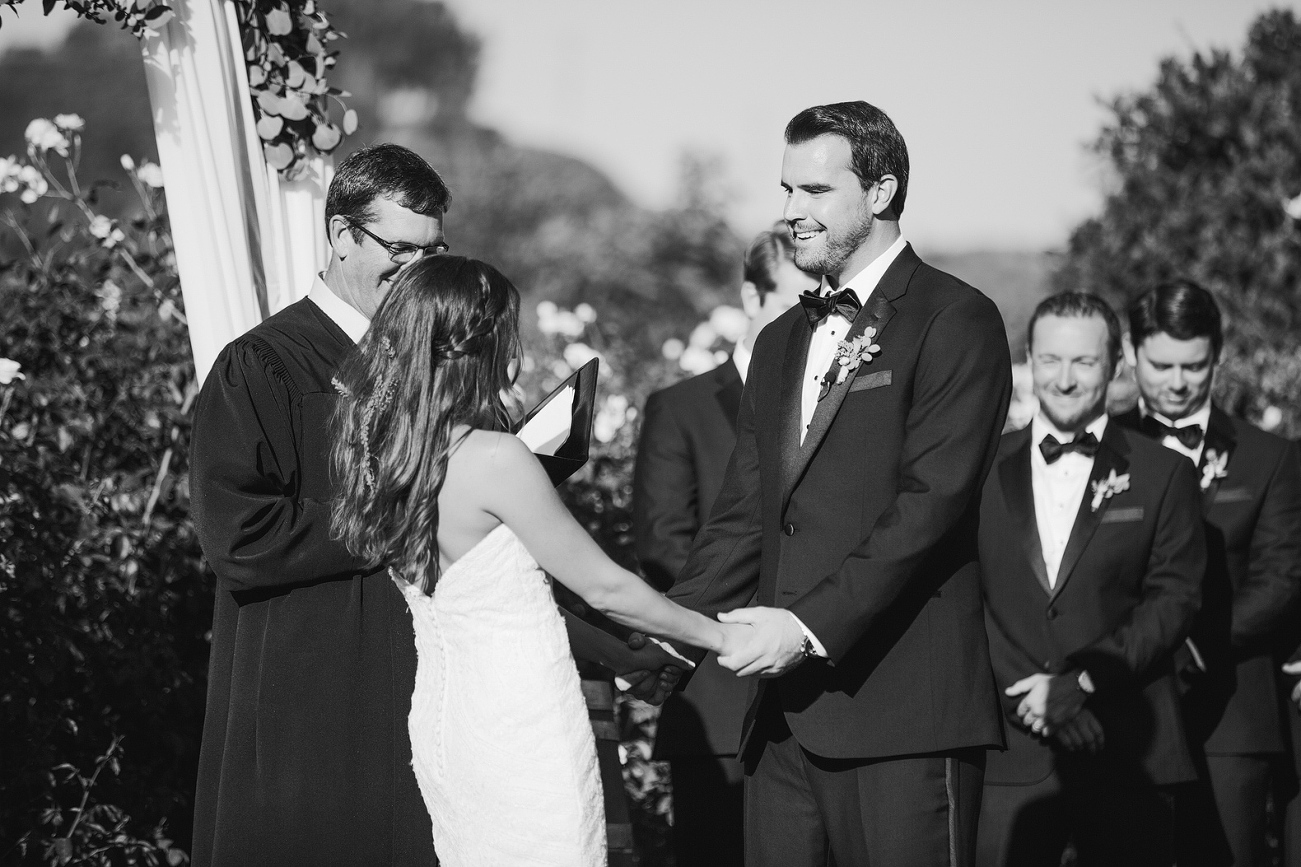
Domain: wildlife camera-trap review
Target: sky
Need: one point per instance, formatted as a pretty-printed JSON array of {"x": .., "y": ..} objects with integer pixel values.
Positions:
[{"x": 997, "y": 99}]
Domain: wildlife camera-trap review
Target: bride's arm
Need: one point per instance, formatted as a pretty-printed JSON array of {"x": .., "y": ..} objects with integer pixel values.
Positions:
[{"x": 517, "y": 491}]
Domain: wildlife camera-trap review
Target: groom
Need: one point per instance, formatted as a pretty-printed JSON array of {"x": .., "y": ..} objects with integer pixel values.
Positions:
[{"x": 848, "y": 515}]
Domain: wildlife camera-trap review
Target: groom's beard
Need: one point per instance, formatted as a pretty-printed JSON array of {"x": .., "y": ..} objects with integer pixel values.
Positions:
[{"x": 833, "y": 249}]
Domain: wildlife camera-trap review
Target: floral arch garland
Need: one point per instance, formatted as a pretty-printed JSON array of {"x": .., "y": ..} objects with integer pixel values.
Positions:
[{"x": 287, "y": 52}]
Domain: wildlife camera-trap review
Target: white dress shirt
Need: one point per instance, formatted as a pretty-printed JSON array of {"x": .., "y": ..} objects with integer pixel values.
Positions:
[
  {"x": 741, "y": 358},
  {"x": 341, "y": 313},
  {"x": 822, "y": 347},
  {"x": 1059, "y": 488},
  {"x": 1201, "y": 417}
]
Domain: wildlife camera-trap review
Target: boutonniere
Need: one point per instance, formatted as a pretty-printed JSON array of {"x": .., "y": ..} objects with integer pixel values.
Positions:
[
  {"x": 1216, "y": 467},
  {"x": 1105, "y": 489},
  {"x": 851, "y": 353}
]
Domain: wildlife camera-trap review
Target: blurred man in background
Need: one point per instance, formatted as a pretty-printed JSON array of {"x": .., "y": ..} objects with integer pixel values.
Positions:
[
  {"x": 1251, "y": 499},
  {"x": 686, "y": 439},
  {"x": 1091, "y": 556}
]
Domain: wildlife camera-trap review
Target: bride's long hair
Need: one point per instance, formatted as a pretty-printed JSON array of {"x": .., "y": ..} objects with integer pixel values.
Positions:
[{"x": 437, "y": 355}]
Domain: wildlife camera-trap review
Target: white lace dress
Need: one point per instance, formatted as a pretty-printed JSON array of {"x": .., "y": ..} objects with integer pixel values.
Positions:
[{"x": 500, "y": 738}]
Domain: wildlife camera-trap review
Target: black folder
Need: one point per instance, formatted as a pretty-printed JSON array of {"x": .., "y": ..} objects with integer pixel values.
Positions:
[{"x": 569, "y": 457}]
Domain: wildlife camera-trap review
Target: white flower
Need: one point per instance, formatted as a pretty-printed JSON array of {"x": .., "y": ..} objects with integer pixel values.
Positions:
[
  {"x": 672, "y": 349},
  {"x": 1292, "y": 207},
  {"x": 34, "y": 181},
  {"x": 1105, "y": 489},
  {"x": 560, "y": 370},
  {"x": 578, "y": 354},
  {"x": 730, "y": 323},
  {"x": 10, "y": 370},
  {"x": 43, "y": 136},
  {"x": 611, "y": 417},
  {"x": 586, "y": 313},
  {"x": 1216, "y": 467},
  {"x": 151, "y": 174},
  {"x": 69, "y": 122},
  {"x": 9, "y": 168},
  {"x": 1271, "y": 418},
  {"x": 702, "y": 336},
  {"x": 110, "y": 297},
  {"x": 106, "y": 230},
  {"x": 127, "y": 163}
]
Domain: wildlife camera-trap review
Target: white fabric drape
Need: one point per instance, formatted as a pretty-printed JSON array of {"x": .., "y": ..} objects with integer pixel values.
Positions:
[{"x": 246, "y": 242}]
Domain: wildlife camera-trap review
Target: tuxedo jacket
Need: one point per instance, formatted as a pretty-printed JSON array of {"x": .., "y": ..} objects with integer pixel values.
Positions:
[
  {"x": 1253, "y": 526},
  {"x": 867, "y": 529},
  {"x": 688, "y": 431},
  {"x": 1126, "y": 594}
]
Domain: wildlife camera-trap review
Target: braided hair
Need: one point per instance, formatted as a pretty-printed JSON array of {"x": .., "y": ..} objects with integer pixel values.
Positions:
[{"x": 437, "y": 355}]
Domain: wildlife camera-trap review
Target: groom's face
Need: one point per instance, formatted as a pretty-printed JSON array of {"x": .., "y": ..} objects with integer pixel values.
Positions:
[{"x": 827, "y": 209}]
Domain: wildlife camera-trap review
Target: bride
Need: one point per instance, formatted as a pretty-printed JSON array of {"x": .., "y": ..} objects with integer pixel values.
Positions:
[{"x": 464, "y": 515}]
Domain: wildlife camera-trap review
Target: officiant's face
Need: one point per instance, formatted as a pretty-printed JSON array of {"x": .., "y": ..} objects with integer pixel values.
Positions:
[
  {"x": 1071, "y": 367},
  {"x": 367, "y": 267},
  {"x": 827, "y": 209}
]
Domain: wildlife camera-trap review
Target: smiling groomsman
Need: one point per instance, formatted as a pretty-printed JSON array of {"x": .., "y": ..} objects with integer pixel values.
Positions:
[
  {"x": 1091, "y": 555},
  {"x": 1251, "y": 498}
]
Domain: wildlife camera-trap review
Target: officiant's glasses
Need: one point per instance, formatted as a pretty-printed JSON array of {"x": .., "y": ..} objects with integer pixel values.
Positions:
[{"x": 400, "y": 252}]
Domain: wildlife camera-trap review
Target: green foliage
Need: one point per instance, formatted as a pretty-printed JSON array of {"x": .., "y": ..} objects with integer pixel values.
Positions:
[
  {"x": 102, "y": 596},
  {"x": 1206, "y": 164}
]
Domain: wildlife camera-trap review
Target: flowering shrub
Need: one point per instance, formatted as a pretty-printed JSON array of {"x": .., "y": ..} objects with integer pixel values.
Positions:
[{"x": 101, "y": 591}]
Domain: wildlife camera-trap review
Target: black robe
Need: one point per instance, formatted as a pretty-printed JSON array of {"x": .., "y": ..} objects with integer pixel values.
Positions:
[{"x": 305, "y": 758}]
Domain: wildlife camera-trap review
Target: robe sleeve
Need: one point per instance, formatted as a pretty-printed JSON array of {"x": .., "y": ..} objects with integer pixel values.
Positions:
[{"x": 254, "y": 527}]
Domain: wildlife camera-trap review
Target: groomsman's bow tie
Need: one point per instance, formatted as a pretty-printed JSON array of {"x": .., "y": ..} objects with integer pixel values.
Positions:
[
  {"x": 819, "y": 307},
  {"x": 1086, "y": 445},
  {"x": 1189, "y": 436}
]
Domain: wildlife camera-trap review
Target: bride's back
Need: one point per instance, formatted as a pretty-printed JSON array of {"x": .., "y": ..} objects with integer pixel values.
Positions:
[{"x": 473, "y": 467}]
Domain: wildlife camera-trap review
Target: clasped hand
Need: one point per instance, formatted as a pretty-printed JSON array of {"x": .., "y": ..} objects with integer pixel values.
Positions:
[
  {"x": 1053, "y": 705},
  {"x": 760, "y": 641}
]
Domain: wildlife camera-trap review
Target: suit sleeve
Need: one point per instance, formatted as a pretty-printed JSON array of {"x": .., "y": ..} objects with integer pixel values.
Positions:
[
  {"x": 665, "y": 494},
  {"x": 961, "y": 391},
  {"x": 252, "y": 529},
  {"x": 1266, "y": 601},
  {"x": 1171, "y": 592}
]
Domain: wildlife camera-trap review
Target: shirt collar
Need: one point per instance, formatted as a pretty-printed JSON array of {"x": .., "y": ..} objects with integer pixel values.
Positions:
[
  {"x": 741, "y": 358},
  {"x": 341, "y": 313},
  {"x": 864, "y": 282},
  {"x": 1201, "y": 417},
  {"x": 1041, "y": 427}
]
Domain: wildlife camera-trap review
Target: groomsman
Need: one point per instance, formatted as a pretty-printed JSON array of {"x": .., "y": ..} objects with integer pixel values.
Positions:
[
  {"x": 686, "y": 438},
  {"x": 1091, "y": 555},
  {"x": 1251, "y": 498}
]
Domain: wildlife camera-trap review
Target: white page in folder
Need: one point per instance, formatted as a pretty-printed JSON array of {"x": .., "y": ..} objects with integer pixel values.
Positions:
[{"x": 548, "y": 430}]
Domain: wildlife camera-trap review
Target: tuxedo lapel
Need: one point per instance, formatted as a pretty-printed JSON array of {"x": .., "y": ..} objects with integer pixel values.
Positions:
[
  {"x": 792, "y": 376},
  {"x": 1221, "y": 440},
  {"x": 1111, "y": 456},
  {"x": 877, "y": 314},
  {"x": 1015, "y": 475},
  {"x": 729, "y": 391}
]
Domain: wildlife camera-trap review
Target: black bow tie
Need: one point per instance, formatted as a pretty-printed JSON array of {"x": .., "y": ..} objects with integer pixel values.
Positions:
[
  {"x": 1189, "y": 436},
  {"x": 1086, "y": 445},
  {"x": 819, "y": 307}
]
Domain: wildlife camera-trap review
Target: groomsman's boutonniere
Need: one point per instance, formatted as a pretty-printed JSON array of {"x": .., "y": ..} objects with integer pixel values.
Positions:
[
  {"x": 1105, "y": 489},
  {"x": 1216, "y": 467},
  {"x": 851, "y": 353}
]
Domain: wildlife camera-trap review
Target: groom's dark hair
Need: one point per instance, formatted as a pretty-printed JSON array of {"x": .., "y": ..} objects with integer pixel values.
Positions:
[
  {"x": 389, "y": 171},
  {"x": 875, "y": 145}
]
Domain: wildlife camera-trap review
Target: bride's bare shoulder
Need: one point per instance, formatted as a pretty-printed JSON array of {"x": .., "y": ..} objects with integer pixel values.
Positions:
[{"x": 488, "y": 452}]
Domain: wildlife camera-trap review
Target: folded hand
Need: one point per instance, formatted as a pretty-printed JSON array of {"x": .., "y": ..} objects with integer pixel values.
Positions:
[{"x": 1083, "y": 733}]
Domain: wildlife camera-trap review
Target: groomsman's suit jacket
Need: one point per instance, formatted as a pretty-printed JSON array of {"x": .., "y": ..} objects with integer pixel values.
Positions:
[
  {"x": 1125, "y": 597},
  {"x": 867, "y": 530},
  {"x": 687, "y": 436},
  {"x": 1253, "y": 517}
]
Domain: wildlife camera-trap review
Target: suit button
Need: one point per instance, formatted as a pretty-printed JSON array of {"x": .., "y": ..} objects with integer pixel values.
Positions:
[
  {"x": 1052, "y": 613},
  {"x": 790, "y": 529}
]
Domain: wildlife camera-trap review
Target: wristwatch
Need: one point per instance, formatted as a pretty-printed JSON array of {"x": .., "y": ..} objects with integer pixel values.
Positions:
[
  {"x": 1085, "y": 683},
  {"x": 806, "y": 649}
]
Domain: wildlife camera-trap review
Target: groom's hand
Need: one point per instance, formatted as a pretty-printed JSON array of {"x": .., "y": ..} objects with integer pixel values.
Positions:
[{"x": 772, "y": 646}]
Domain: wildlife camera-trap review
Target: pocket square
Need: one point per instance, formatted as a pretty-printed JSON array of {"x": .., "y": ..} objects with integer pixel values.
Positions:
[
  {"x": 1232, "y": 495},
  {"x": 1118, "y": 516},
  {"x": 871, "y": 380}
]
